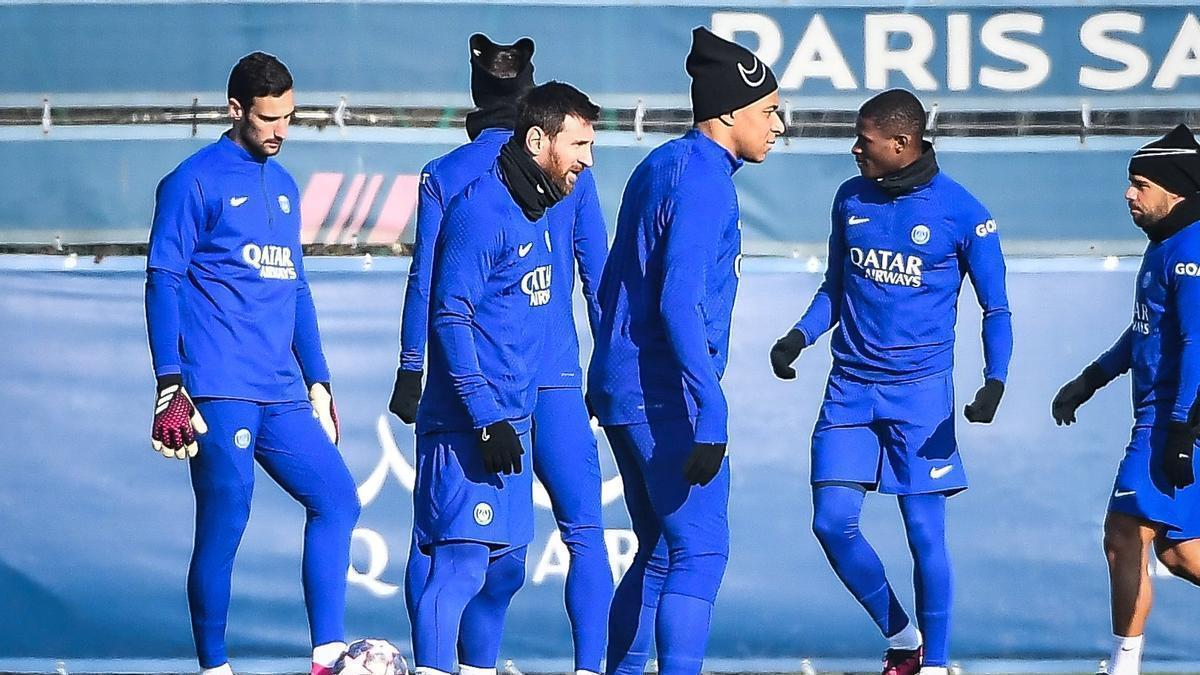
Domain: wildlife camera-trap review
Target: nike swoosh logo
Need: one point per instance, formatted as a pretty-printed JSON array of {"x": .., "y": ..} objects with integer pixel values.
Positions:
[
  {"x": 855, "y": 220},
  {"x": 524, "y": 249},
  {"x": 748, "y": 74},
  {"x": 237, "y": 201},
  {"x": 1123, "y": 493},
  {"x": 940, "y": 471},
  {"x": 485, "y": 436}
]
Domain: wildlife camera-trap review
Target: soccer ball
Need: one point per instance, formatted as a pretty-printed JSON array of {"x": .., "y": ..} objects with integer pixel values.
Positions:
[{"x": 371, "y": 656}]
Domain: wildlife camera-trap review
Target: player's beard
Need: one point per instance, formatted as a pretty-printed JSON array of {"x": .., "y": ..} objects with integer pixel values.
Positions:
[
  {"x": 256, "y": 146},
  {"x": 562, "y": 176}
]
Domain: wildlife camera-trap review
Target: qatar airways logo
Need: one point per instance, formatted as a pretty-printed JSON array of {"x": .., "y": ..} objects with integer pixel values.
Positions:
[
  {"x": 1141, "y": 318},
  {"x": 271, "y": 261},
  {"x": 887, "y": 267},
  {"x": 536, "y": 284}
]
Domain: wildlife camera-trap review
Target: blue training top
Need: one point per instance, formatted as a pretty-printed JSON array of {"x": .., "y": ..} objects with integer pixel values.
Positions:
[
  {"x": 895, "y": 269},
  {"x": 490, "y": 294},
  {"x": 1162, "y": 344},
  {"x": 666, "y": 296},
  {"x": 227, "y": 302},
  {"x": 576, "y": 228}
]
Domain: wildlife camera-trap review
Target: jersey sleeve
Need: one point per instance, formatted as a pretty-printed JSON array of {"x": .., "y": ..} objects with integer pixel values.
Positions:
[
  {"x": 824, "y": 311},
  {"x": 1118, "y": 359},
  {"x": 414, "y": 321},
  {"x": 469, "y": 251},
  {"x": 980, "y": 254},
  {"x": 690, "y": 249},
  {"x": 306, "y": 338},
  {"x": 1185, "y": 290},
  {"x": 591, "y": 244},
  {"x": 179, "y": 215}
]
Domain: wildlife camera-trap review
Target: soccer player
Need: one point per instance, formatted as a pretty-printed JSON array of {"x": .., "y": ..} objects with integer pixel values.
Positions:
[
  {"x": 1154, "y": 503},
  {"x": 491, "y": 298},
  {"x": 565, "y": 460},
  {"x": 666, "y": 298},
  {"x": 903, "y": 236},
  {"x": 236, "y": 351}
]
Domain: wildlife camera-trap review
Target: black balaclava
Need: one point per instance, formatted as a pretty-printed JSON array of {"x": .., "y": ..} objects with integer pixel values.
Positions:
[{"x": 496, "y": 97}]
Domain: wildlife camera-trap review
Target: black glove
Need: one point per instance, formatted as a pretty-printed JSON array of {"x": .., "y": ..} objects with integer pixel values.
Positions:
[
  {"x": 983, "y": 409},
  {"x": 1180, "y": 454},
  {"x": 406, "y": 394},
  {"x": 501, "y": 448},
  {"x": 1075, "y": 393},
  {"x": 704, "y": 463},
  {"x": 785, "y": 351}
]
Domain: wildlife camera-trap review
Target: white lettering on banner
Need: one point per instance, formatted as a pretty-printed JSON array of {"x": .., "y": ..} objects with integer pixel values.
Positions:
[
  {"x": 906, "y": 43},
  {"x": 1094, "y": 36},
  {"x": 392, "y": 462},
  {"x": 880, "y": 58}
]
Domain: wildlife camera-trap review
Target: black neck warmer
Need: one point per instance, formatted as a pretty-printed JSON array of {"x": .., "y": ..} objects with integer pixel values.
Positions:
[
  {"x": 1185, "y": 213},
  {"x": 912, "y": 176},
  {"x": 528, "y": 184}
]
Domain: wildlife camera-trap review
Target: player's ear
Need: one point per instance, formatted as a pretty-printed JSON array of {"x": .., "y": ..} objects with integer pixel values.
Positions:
[
  {"x": 902, "y": 141},
  {"x": 536, "y": 140},
  {"x": 727, "y": 118},
  {"x": 235, "y": 110}
]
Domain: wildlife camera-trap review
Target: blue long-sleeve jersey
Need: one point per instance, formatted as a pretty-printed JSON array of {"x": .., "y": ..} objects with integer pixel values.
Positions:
[
  {"x": 227, "y": 302},
  {"x": 895, "y": 269},
  {"x": 666, "y": 296},
  {"x": 576, "y": 229},
  {"x": 490, "y": 296},
  {"x": 1162, "y": 344}
]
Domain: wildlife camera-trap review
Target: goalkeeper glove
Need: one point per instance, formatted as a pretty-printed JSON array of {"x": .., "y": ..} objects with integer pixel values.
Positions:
[
  {"x": 176, "y": 420},
  {"x": 406, "y": 394},
  {"x": 785, "y": 351},
  {"x": 321, "y": 397},
  {"x": 501, "y": 448}
]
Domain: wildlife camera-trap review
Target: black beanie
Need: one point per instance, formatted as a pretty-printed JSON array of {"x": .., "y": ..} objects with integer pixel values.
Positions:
[
  {"x": 496, "y": 97},
  {"x": 725, "y": 76},
  {"x": 1172, "y": 162}
]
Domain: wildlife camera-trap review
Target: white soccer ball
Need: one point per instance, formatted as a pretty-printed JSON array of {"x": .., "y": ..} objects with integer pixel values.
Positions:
[{"x": 371, "y": 656}]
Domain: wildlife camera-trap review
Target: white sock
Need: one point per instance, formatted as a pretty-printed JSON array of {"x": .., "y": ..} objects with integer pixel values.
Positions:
[
  {"x": 222, "y": 669},
  {"x": 586, "y": 672},
  {"x": 1126, "y": 655},
  {"x": 933, "y": 670},
  {"x": 327, "y": 654},
  {"x": 424, "y": 670},
  {"x": 908, "y": 639},
  {"x": 472, "y": 670}
]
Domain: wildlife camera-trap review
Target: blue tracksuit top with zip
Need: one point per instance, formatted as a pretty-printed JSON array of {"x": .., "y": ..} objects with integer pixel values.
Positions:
[
  {"x": 227, "y": 302},
  {"x": 1162, "y": 344},
  {"x": 489, "y": 298},
  {"x": 891, "y": 288},
  {"x": 666, "y": 296},
  {"x": 577, "y": 233}
]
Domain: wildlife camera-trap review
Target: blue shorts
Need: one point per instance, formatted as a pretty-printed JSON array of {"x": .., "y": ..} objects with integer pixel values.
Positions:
[
  {"x": 897, "y": 438},
  {"x": 457, "y": 500},
  {"x": 1141, "y": 489}
]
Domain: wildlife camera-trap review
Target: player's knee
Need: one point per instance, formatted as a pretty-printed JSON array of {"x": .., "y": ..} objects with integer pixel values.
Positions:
[
  {"x": 698, "y": 575},
  {"x": 223, "y": 510},
  {"x": 925, "y": 539},
  {"x": 832, "y": 526},
  {"x": 504, "y": 578},
  {"x": 337, "y": 504},
  {"x": 583, "y": 540},
  {"x": 1180, "y": 565},
  {"x": 463, "y": 581}
]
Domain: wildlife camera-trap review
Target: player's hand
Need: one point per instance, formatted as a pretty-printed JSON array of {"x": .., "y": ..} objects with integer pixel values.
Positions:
[
  {"x": 1075, "y": 393},
  {"x": 786, "y": 350},
  {"x": 1180, "y": 454},
  {"x": 704, "y": 463},
  {"x": 501, "y": 448},
  {"x": 983, "y": 409},
  {"x": 176, "y": 420},
  {"x": 321, "y": 397},
  {"x": 406, "y": 394}
]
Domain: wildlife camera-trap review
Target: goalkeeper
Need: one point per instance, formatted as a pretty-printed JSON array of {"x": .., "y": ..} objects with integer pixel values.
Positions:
[{"x": 237, "y": 356}]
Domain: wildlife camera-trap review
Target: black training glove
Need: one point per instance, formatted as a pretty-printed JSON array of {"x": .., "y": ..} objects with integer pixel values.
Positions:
[
  {"x": 406, "y": 394},
  {"x": 983, "y": 409},
  {"x": 785, "y": 351},
  {"x": 1075, "y": 393},
  {"x": 704, "y": 463},
  {"x": 501, "y": 448},
  {"x": 1180, "y": 454}
]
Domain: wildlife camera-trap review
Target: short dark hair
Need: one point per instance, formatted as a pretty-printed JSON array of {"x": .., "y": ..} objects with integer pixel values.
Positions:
[
  {"x": 547, "y": 105},
  {"x": 258, "y": 74},
  {"x": 896, "y": 111}
]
